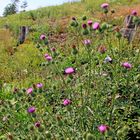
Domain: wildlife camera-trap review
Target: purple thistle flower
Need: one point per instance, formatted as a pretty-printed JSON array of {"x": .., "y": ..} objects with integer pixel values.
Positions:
[
  {"x": 49, "y": 58},
  {"x": 37, "y": 124},
  {"x": 66, "y": 102},
  {"x": 127, "y": 65},
  {"x": 31, "y": 109},
  {"x": 96, "y": 26},
  {"x": 87, "y": 42},
  {"x": 15, "y": 90},
  {"x": 89, "y": 22},
  {"x": 42, "y": 37},
  {"x": 39, "y": 85},
  {"x": 84, "y": 26},
  {"x": 29, "y": 90},
  {"x": 103, "y": 128},
  {"x": 134, "y": 12},
  {"x": 104, "y": 5},
  {"x": 46, "y": 55},
  {"x": 69, "y": 70},
  {"x": 73, "y": 18},
  {"x": 53, "y": 49}
]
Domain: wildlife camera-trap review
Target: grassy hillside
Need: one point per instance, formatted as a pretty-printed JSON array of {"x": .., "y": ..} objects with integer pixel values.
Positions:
[
  {"x": 55, "y": 20},
  {"x": 42, "y": 15},
  {"x": 74, "y": 78}
]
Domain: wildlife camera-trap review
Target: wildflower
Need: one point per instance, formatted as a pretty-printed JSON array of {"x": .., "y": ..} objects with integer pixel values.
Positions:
[
  {"x": 89, "y": 22},
  {"x": 127, "y": 65},
  {"x": 102, "y": 49},
  {"x": 103, "y": 128},
  {"x": 69, "y": 70},
  {"x": 53, "y": 49},
  {"x": 108, "y": 59},
  {"x": 15, "y": 90},
  {"x": 31, "y": 109},
  {"x": 42, "y": 37},
  {"x": 134, "y": 13},
  {"x": 37, "y": 124},
  {"x": 29, "y": 90},
  {"x": 66, "y": 102},
  {"x": 46, "y": 55},
  {"x": 49, "y": 58},
  {"x": 84, "y": 26},
  {"x": 104, "y": 5},
  {"x": 39, "y": 85},
  {"x": 96, "y": 26},
  {"x": 87, "y": 42},
  {"x": 73, "y": 18}
]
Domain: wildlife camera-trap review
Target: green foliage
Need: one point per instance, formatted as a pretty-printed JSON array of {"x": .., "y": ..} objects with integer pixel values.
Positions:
[
  {"x": 24, "y": 5},
  {"x": 32, "y": 15},
  {"x": 10, "y": 9}
]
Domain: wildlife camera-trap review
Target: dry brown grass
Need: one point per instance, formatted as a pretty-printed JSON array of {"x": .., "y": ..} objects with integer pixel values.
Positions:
[
  {"x": 6, "y": 41},
  {"x": 125, "y": 10}
]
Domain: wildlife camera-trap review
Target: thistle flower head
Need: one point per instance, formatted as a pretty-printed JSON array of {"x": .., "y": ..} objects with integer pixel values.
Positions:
[
  {"x": 37, "y": 124},
  {"x": 46, "y": 55},
  {"x": 49, "y": 58},
  {"x": 84, "y": 26},
  {"x": 53, "y": 49},
  {"x": 104, "y": 5},
  {"x": 42, "y": 37},
  {"x": 87, "y": 42},
  {"x": 69, "y": 70},
  {"x": 103, "y": 128},
  {"x": 134, "y": 13},
  {"x": 126, "y": 65},
  {"x": 39, "y": 85},
  {"x": 96, "y": 26},
  {"x": 66, "y": 102},
  {"x": 73, "y": 18},
  {"x": 15, "y": 90},
  {"x": 89, "y": 22},
  {"x": 31, "y": 109},
  {"x": 29, "y": 90}
]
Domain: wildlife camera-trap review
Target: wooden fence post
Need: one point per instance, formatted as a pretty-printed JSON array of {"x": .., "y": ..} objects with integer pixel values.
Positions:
[{"x": 23, "y": 33}]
